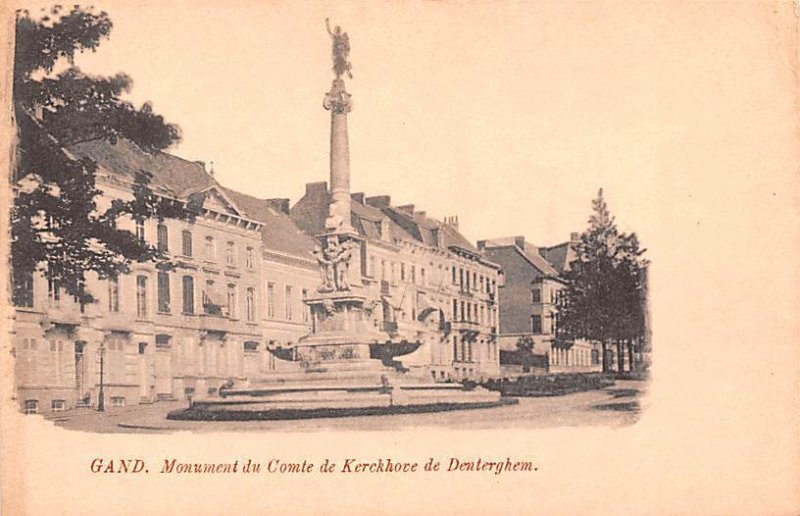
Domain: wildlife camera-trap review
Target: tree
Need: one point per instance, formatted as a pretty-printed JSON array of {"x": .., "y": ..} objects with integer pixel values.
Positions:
[
  {"x": 602, "y": 300},
  {"x": 55, "y": 218}
]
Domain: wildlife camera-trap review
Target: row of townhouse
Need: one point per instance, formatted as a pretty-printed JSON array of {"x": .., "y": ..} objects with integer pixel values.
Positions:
[
  {"x": 430, "y": 284},
  {"x": 243, "y": 269}
]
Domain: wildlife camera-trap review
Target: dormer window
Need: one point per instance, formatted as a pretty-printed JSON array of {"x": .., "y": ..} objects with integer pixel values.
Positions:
[{"x": 385, "y": 230}]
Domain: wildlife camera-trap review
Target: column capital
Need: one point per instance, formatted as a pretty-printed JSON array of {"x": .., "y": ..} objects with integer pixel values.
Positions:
[{"x": 337, "y": 100}]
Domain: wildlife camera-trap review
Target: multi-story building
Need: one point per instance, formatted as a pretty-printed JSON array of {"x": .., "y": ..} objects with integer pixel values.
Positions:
[
  {"x": 528, "y": 307},
  {"x": 426, "y": 281},
  {"x": 289, "y": 275},
  {"x": 242, "y": 269}
]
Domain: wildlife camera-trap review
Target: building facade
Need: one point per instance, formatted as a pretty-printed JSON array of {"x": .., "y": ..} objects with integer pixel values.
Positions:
[
  {"x": 233, "y": 305},
  {"x": 528, "y": 308},
  {"x": 241, "y": 270},
  {"x": 426, "y": 283}
]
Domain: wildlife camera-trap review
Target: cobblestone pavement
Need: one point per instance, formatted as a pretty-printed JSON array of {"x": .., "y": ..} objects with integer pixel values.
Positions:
[{"x": 612, "y": 406}]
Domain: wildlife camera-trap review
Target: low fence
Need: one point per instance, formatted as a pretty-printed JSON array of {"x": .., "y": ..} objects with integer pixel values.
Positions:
[{"x": 550, "y": 384}]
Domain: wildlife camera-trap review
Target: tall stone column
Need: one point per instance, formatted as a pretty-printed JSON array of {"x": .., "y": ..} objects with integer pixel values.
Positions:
[{"x": 338, "y": 102}]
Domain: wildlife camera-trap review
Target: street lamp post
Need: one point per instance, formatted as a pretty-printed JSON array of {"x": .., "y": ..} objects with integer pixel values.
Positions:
[{"x": 101, "y": 395}]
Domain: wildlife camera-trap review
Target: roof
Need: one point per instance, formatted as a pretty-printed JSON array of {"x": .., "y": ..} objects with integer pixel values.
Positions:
[
  {"x": 180, "y": 178},
  {"x": 427, "y": 230},
  {"x": 310, "y": 212},
  {"x": 405, "y": 225},
  {"x": 559, "y": 256},
  {"x": 172, "y": 175},
  {"x": 278, "y": 233},
  {"x": 527, "y": 250}
]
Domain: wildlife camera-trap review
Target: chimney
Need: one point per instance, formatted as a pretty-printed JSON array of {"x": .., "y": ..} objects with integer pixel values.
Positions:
[
  {"x": 519, "y": 241},
  {"x": 211, "y": 168},
  {"x": 452, "y": 221},
  {"x": 379, "y": 201},
  {"x": 318, "y": 188},
  {"x": 574, "y": 237},
  {"x": 408, "y": 208},
  {"x": 481, "y": 245},
  {"x": 358, "y": 197},
  {"x": 282, "y": 205}
]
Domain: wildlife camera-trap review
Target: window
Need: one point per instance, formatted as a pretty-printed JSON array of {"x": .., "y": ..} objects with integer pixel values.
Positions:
[
  {"x": 422, "y": 276},
  {"x": 250, "y": 302},
  {"x": 23, "y": 288},
  {"x": 210, "y": 303},
  {"x": 53, "y": 285},
  {"x": 188, "y": 295},
  {"x": 141, "y": 296},
  {"x": 231, "y": 300},
  {"x": 250, "y": 346},
  {"x": 142, "y": 348},
  {"x": 307, "y": 308},
  {"x": 413, "y": 274},
  {"x": 249, "y": 258},
  {"x": 113, "y": 294},
  {"x": 117, "y": 401},
  {"x": 454, "y": 275},
  {"x": 271, "y": 300},
  {"x": 230, "y": 253},
  {"x": 58, "y": 405},
  {"x": 394, "y": 273},
  {"x": 31, "y": 406},
  {"x": 163, "y": 292},
  {"x": 209, "y": 248},
  {"x": 372, "y": 271},
  {"x": 455, "y": 309},
  {"x": 384, "y": 271},
  {"x": 288, "y": 301},
  {"x": 536, "y": 324},
  {"x": 162, "y": 339},
  {"x": 163, "y": 238},
  {"x": 595, "y": 357},
  {"x": 536, "y": 295},
  {"x": 140, "y": 230},
  {"x": 186, "y": 243},
  {"x": 552, "y": 295},
  {"x": 402, "y": 271}
]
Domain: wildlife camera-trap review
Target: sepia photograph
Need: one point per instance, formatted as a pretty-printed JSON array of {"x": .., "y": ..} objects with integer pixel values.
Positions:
[
  {"x": 425, "y": 257},
  {"x": 147, "y": 287}
]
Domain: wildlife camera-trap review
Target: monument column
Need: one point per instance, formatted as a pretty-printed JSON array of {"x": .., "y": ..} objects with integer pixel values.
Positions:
[{"x": 338, "y": 102}]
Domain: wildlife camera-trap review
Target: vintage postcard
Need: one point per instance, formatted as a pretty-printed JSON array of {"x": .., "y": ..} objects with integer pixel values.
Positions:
[{"x": 400, "y": 258}]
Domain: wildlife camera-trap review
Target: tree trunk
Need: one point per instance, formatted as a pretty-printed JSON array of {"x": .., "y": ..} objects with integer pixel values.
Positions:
[
  {"x": 630, "y": 353},
  {"x": 620, "y": 357},
  {"x": 603, "y": 357}
]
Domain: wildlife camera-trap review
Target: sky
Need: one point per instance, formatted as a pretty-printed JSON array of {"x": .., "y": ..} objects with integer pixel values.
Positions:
[{"x": 510, "y": 116}]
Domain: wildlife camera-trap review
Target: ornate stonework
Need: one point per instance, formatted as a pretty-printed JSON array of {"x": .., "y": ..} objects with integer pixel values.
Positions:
[
  {"x": 337, "y": 100},
  {"x": 334, "y": 263}
]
